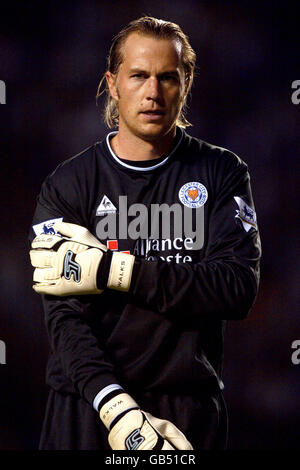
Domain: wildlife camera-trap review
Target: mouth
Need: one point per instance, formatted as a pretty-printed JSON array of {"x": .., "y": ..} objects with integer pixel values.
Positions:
[
  {"x": 153, "y": 114},
  {"x": 153, "y": 111}
]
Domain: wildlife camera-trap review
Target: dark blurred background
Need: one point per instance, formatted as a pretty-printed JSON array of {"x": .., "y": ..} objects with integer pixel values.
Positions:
[{"x": 52, "y": 55}]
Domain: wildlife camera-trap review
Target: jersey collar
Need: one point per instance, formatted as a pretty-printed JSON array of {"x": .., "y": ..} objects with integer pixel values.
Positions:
[{"x": 139, "y": 168}]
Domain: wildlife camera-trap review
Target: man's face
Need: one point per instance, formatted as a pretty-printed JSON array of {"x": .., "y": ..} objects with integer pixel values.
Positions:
[{"x": 149, "y": 87}]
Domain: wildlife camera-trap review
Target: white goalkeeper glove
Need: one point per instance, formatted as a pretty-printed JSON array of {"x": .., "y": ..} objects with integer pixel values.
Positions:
[
  {"x": 74, "y": 262},
  {"x": 130, "y": 428}
]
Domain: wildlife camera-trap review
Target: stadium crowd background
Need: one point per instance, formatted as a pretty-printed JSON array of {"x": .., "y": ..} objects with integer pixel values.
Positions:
[{"x": 52, "y": 55}]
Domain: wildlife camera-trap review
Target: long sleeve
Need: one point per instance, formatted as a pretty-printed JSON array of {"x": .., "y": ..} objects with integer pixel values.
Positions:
[
  {"x": 80, "y": 353},
  {"x": 224, "y": 284},
  {"x": 68, "y": 320}
]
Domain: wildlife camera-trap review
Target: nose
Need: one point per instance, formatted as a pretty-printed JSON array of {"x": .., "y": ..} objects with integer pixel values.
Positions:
[{"x": 153, "y": 88}]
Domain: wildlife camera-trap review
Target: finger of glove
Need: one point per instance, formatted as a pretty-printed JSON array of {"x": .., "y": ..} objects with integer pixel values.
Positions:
[
  {"x": 170, "y": 432},
  {"x": 79, "y": 234},
  {"x": 65, "y": 229},
  {"x": 48, "y": 258},
  {"x": 42, "y": 259},
  {"x": 54, "y": 269},
  {"x": 167, "y": 446},
  {"x": 53, "y": 288},
  {"x": 44, "y": 288},
  {"x": 46, "y": 274},
  {"x": 44, "y": 241}
]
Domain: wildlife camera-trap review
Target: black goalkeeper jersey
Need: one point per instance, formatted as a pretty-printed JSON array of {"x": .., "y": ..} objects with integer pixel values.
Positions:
[{"x": 189, "y": 219}]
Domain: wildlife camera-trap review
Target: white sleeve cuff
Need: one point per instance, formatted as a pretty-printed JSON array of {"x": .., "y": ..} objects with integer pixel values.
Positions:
[{"x": 105, "y": 391}]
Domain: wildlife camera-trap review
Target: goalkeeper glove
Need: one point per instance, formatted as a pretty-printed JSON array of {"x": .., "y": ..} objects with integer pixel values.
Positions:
[
  {"x": 75, "y": 263},
  {"x": 130, "y": 428}
]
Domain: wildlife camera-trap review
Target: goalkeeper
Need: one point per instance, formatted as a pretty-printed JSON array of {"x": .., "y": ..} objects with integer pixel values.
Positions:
[{"x": 135, "y": 309}]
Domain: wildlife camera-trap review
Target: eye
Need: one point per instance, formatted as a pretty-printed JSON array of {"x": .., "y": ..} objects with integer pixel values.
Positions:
[
  {"x": 169, "y": 78},
  {"x": 138, "y": 75}
]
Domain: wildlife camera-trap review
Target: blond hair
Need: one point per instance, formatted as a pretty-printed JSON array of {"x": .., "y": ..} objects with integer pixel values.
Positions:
[{"x": 159, "y": 29}]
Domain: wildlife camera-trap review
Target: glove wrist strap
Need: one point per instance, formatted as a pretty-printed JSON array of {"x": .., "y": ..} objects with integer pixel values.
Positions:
[
  {"x": 115, "y": 271},
  {"x": 120, "y": 271},
  {"x": 116, "y": 406},
  {"x": 103, "y": 270}
]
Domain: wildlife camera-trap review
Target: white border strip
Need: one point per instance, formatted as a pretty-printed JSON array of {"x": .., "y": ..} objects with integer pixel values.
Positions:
[
  {"x": 105, "y": 391},
  {"x": 138, "y": 168}
]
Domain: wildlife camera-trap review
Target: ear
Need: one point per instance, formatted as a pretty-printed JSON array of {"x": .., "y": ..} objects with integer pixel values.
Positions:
[{"x": 111, "y": 83}]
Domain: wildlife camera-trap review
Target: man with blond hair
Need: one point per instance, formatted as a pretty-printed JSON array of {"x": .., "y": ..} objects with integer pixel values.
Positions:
[{"x": 143, "y": 246}]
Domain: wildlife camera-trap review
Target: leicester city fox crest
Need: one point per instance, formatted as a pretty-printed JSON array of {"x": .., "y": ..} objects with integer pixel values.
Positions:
[{"x": 193, "y": 194}]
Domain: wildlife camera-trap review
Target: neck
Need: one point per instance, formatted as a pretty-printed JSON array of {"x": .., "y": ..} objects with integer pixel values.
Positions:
[{"x": 131, "y": 147}]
